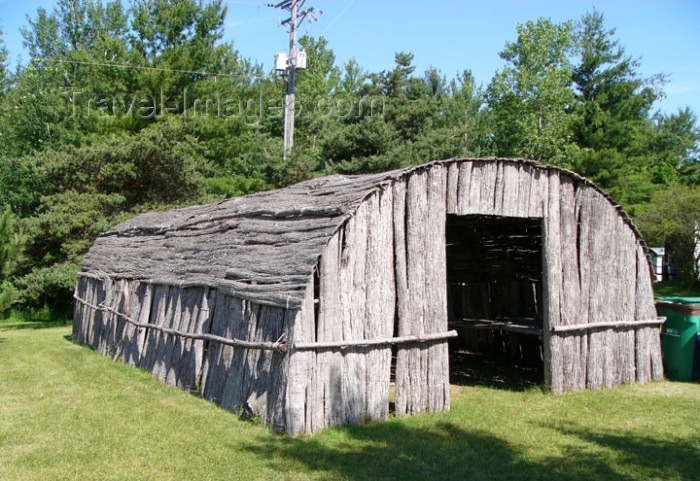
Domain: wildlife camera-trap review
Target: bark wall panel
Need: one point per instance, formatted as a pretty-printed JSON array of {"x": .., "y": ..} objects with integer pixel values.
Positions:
[
  {"x": 628, "y": 275},
  {"x": 243, "y": 323},
  {"x": 154, "y": 339},
  {"x": 648, "y": 340},
  {"x": 421, "y": 370},
  {"x": 263, "y": 369},
  {"x": 436, "y": 291},
  {"x": 585, "y": 261},
  {"x": 599, "y": 291},
  {"x": 98, "y": 296},
  {"x": 83, "y": 315},
  {"x": 353, "y": 296},
  {"x": 411, "y": 364},
  {"x": 525, "y": 187},
  {"x": 134, "y": 304},
  {"x": 453, "y": 187},
  {"x": 539, "y": 189},
  {"x": 552, "y": 286},
  {"x": 356, "y": 299},
  {"x": 572, "y": 377},
  {"x": 194, "y": 309},
  {"x": 465, "y": 199},
  {"x": 381, "y": 301},
  {"x": 172, "y": 344},
  {"x": 511, "y": 200},
  {"x": 217, "y": 358},
  {"x": 328, "y": 409},
  {"x": 300, "y": 371}
]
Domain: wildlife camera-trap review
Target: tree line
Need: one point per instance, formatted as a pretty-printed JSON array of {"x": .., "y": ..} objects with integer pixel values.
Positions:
[{"x": 122, "y": 109}]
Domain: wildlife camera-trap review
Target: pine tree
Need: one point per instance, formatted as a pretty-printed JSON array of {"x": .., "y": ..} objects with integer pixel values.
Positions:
[{"x": 12, "y": 241}]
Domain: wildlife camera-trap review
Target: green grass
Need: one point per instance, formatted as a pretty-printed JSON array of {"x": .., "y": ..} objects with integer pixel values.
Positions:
[
  {"x": 67, "y": 413},
  {"x": 677, "y": 288}
]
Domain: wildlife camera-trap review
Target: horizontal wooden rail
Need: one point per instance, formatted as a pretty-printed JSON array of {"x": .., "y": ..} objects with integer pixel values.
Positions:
[
  {"x": 519, "y": 327},
  {"x": 280, "y": 345},
  {"x": 608, "y": 325},
  {"x": 375, "y": 342}
]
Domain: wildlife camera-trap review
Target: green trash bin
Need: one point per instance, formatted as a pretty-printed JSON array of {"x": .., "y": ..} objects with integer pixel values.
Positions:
[{"x": 678, "y": 334}]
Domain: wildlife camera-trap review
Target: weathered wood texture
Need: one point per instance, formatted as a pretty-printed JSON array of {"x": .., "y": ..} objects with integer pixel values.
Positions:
[
  {"x": 237, "y": 378},
  {"x": 595, "y": 269},
  {"x": 396, "y": 237},
  {"x": 354, "y": 297},
  {"x": 240, "y": 378},
  {"x": 422, "y": 372},
  {"x": 352, "y": 258},
  {"x": 261, "y": 247}
]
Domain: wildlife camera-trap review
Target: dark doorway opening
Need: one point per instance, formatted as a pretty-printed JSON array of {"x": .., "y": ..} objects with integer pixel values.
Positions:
[{"x": 494, "y": 279}]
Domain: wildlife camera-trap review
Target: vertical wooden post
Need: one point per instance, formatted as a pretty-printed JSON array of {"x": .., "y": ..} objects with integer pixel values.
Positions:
[
  {"x": 300, "y": 368},
  {"x": 551, "y": 277},
  {"x": 381, "y": 302},
  {"x": 438, "y": 374}
]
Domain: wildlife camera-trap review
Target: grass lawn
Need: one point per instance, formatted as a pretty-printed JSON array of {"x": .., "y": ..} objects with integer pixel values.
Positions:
[
  {"x": 677, "y": 289},
  {"x": 67, "y": 413}
]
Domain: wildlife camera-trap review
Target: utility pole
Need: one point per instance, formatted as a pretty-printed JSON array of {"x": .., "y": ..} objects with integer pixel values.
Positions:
[
  {"x": 291, "y": 83},
  {"x": 295, "y": 60}
]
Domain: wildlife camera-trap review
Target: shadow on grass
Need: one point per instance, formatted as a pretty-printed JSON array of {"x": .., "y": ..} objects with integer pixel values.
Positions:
[
  {"x": 625, "y": 456},
  {"x": 393, "y": 451},
  {"x": 444, "y": 451}
]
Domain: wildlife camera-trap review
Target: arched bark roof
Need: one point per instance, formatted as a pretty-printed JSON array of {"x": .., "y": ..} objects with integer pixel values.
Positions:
[{"x": 262, "y": 247}]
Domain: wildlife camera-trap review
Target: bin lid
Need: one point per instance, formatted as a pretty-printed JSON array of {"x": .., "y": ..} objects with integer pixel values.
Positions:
[{"x": 680, "y": 300}]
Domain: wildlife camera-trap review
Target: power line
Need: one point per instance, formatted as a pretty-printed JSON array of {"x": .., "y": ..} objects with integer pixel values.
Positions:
[
  {"x": 337, "y": 17},
  {"x": 140, "y": 67}
]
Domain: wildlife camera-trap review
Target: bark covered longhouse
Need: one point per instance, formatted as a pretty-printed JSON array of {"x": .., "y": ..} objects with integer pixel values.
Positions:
[{"x": 310, "y": 305}]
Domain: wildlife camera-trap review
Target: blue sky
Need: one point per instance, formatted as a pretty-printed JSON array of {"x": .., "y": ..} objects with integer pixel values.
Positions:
[{"x": 452, "y": 35}]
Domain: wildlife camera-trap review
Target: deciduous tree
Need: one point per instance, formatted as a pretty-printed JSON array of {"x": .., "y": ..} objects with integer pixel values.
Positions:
[{"x": 531, "y": 98}]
